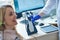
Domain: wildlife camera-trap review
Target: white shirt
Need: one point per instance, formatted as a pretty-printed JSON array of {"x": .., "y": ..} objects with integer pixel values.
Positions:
[
  {"x": 50, "y": 4},
  {"x": 10, "y": 35},
  {"x": 58, "y": 17}
]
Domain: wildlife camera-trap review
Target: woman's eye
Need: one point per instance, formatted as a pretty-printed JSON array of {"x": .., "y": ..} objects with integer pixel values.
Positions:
[{"x": 11, "y": 13}]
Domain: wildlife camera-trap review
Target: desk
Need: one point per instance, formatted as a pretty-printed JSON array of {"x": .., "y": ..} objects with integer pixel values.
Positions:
[{"x": 40, "y": 35}]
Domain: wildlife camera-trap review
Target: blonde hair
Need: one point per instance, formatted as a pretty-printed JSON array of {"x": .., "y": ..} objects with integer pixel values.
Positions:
[{"x": 2, "y": 14}]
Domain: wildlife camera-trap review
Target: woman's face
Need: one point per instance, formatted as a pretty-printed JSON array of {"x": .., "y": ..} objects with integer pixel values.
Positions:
[{"x": 10, "y": 17}]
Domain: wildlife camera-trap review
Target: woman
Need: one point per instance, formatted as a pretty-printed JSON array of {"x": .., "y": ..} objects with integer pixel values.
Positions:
[{"x": 8, "y": 23}]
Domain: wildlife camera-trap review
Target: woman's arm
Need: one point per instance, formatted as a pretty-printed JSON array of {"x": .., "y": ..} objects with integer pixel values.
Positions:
[{"x": 50, "y": 4}]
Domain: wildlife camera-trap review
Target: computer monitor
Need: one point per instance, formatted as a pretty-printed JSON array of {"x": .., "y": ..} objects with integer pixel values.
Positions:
[{"x": 26, "y": 5}]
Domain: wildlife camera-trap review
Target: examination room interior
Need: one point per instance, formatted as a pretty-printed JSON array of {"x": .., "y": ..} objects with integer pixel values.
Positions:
[{"x": 42, "y": 29}]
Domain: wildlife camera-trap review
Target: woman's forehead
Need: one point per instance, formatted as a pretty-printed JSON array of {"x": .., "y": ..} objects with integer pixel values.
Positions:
[{"x": 9, "y": 9}]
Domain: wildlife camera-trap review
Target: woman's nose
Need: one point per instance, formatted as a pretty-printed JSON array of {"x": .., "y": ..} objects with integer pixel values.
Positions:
[{"x": 15, "y": 15}]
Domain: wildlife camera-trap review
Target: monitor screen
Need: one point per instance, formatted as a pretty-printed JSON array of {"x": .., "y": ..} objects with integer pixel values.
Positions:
[{"x": 25, "y": 5}]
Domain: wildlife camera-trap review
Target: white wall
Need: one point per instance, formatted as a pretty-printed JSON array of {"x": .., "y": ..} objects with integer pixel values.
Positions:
[{"x": 6, "y": 2}]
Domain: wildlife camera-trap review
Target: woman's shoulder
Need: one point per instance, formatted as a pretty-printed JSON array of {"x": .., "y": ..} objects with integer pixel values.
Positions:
[{"x": 10, "y": 34}]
